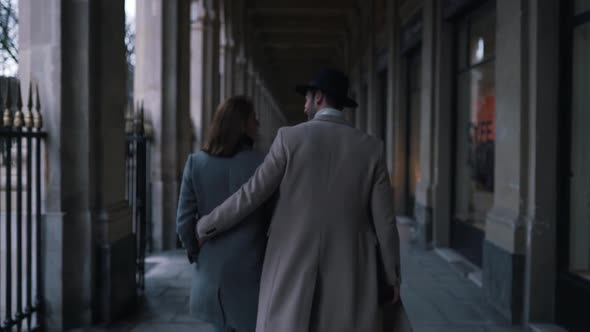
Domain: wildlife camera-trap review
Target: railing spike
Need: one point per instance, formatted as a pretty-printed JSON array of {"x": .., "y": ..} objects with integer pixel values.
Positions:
[
  {"x": 38, "y": 106},
  {"x": 8, "y": 95},
  {"x": 30, "y": 102},
  {"x": 37, "y": 117},
  {"x": 18, "y": 115},
  {"x": 138, "y": 119},
  {"x": 19, "y": 101},
  {"x": 29, "y": 112},
  {"x": 7, "y": 118},
  {"x": 2, "y": 99},
  {"x": 129, "y": 119}
]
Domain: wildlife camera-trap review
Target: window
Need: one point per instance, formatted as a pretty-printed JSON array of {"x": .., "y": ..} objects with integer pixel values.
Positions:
[
  {"x": 475, "y": 137},
  {"x": 580, "y": 152}
]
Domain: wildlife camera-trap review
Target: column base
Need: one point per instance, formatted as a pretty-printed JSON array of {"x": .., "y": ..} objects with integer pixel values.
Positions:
[
  {"x": 503, "y": 281},
  {"x": 67, "y": 263},
  {"x": 423, "y": 215},
  {"x": 116, "y": 289},
  {"x": 164, "y": 204}
]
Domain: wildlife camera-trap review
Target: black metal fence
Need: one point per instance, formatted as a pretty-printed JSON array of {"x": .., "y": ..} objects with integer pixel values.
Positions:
[
  {"x": 21, "y": 144},
  {"x": 138, "y": 184}
]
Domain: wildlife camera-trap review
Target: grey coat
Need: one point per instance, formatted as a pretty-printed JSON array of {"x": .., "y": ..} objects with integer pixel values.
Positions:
[
  {"x": 333, "y": 229},
  {"x": 226, "y": 277}
]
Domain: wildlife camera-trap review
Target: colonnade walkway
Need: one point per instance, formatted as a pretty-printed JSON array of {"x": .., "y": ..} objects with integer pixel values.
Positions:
[{"x": 438, "y": 296}]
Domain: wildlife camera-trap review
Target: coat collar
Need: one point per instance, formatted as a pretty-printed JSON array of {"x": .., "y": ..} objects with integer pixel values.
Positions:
[{"x": 331, "y": 117}]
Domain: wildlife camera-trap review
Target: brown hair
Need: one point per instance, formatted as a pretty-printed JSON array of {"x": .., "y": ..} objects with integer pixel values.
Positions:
[{"x": 226, "y": 133}]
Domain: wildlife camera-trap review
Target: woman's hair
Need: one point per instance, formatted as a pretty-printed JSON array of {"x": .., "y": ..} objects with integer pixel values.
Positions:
[{"x": 226, "y": 134}]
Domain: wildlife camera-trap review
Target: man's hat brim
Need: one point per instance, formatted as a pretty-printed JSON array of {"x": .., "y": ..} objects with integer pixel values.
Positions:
[{"x": 346, "y": 101}]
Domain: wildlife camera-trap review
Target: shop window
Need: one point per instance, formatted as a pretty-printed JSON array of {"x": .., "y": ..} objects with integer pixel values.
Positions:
[{"x": 476, "y": 118}]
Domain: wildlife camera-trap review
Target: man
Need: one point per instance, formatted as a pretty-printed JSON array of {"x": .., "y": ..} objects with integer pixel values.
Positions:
[{"x": 333, "y": 245}]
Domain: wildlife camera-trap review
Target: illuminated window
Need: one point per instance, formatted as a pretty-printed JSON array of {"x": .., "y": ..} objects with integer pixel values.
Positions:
[{"x": 476, "y": 119}]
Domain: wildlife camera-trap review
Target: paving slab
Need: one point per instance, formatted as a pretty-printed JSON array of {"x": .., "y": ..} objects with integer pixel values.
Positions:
[{"x": 436, "y": 295}]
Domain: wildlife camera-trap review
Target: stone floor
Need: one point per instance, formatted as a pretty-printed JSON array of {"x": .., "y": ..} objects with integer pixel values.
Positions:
[{"x": 437, "y": 297}]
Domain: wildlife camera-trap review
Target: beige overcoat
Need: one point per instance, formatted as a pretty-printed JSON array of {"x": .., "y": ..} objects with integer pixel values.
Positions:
[{"x": 333, "y": 225}]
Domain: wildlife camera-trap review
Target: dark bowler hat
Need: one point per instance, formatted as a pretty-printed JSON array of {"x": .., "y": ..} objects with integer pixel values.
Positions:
[{"x": 332, "y": 82}]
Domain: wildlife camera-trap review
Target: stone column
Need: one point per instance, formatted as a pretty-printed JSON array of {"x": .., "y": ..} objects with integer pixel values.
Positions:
[
  {"x": 240, "y": 72},
  {"x": 372, "y": 90},
  {"x": 77, "y": 56},
  {"x": 544, "y": 27},
  {"x": 392, "y": 27},
  {"x": 443, "y": 133},
  {"x": 505, "y": 243},
  {"x": 262, "y": 112},
  {"x": 204, "y": 80},
  {"x": 364, "y": 100},
  {"x": 229, "y": 69},
  {"x": 423, "y": 205},
  {"x": 399, "y": 124},
  {"x": 162, "y": 83},
  {"x": 226, "y": 55},
  {"x": 230, "y": 53},
  {"x": 258, "y": 91},
  {"x": 254, "y": 88},
  {"x": 268, "y": 113},
  {"x": 186, "y": 132},
  {"x": 239, "y": 22},
  {"x": 251, "y": 80},
  {"x": 222, "y": 63},
  {"x": 361, "y": 110},
  {"x": 272, "y": 118}
]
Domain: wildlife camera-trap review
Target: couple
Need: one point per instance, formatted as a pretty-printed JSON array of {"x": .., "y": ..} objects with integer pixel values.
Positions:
[{"x": 304, "y": 240}]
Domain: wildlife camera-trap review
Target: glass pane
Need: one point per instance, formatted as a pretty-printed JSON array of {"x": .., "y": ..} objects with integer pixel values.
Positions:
[
  {"x": 474, "y": 180},
  {"x": 462, "y": 37},
  {"x": 582, "y": 6},
  {"x": 482, "y": 37},
  {"x": 580, "y": 158}
]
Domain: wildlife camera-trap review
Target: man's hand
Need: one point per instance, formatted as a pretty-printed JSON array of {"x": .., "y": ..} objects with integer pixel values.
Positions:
[
  {"x": 200, "y": 241},
  {"x": 396, "y": 294}
]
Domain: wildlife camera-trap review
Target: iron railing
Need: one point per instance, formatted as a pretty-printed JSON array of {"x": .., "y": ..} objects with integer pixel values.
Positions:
[
  {"x": 138, "y": 184},
  {"x": 21, "y": 142}
]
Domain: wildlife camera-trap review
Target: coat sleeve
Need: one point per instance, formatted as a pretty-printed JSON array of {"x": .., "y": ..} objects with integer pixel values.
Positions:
[
  {"x": 250, "y": 196},
  {"x": 385, "y": 224},
  {"x": 186, "y": 212}
]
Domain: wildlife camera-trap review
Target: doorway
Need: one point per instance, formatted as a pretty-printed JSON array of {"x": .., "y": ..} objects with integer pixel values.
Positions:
[{"x": 573, "y": 279}]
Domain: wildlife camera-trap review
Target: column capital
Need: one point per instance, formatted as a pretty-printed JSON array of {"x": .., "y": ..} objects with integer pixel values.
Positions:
[
  {"x": 230, "y": 43},
  {"x": 202, "y": 15},
  {"x": 227, "y": 44},
  {"x": 241, "y": 59},
  {"x": 240, "y": 55}
]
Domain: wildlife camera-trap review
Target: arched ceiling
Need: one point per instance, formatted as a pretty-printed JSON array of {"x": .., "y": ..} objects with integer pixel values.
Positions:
[{"x": 294, "y": 38}]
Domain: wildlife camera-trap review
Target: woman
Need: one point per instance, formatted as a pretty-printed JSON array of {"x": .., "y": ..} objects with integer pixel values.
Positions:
[{"x": 226, "y": 277}]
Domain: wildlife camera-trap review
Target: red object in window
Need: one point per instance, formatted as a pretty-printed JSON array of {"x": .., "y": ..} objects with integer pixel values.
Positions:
[{"x": 486, "y": 119}]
